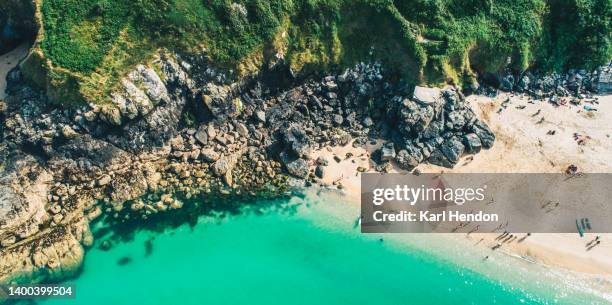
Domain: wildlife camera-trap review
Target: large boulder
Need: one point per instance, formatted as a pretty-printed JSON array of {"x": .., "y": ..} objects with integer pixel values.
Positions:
[
  {"x": 409, "y": 157},
  {"x": 298, "y": 168},
  {"x": 413, "y": 117},
  {"x": 426, "y": 96},
  {"x": 487, "y": 137},
  {"x": 472, "y": 143},
  {"x": 296, "y": 141},
  {"x": 218, "y": 100},
  {"x": 453, "y": 149},
  {"x": 448, "y": 154}
]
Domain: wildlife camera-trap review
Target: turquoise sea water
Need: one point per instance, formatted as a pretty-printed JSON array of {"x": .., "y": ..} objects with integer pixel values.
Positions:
[{"x": 313, "y": 256}]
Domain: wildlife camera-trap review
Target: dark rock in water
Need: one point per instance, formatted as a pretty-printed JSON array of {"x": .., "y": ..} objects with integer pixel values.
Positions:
[
  {"x": 105, "y": 245},
  {"x": 472, "y": 143},
  {"x": 124, "y": 261},
  {"x": 320, "y": 171},
  {"x": 298, "y": 168},
  {"x": 387, "y": 152},
  {"x": 149, "y": 247}
]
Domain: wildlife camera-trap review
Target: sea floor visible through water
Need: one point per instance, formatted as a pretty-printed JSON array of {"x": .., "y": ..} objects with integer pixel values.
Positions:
[{"x": 313, "y": 253}]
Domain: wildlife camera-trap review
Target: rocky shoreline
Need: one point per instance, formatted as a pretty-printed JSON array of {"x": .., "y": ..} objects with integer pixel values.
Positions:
[{"x": 180, "y": 131}]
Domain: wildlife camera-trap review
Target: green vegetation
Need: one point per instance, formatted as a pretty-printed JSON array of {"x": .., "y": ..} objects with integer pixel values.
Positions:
[{"x": 91, "y": 44}]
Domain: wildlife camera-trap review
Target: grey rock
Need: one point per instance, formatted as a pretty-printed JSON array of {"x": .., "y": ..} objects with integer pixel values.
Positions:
[
  {"x": 603, "y": 80},
  {"x": 111, "y": 115},
  {"x": 413, "y": 117},
  {"x": 487, "y": 137},
  {"x": 298, "y": 168},
  {"x": 452, "y": 149},
  {"x": 133, "y": 95},
  {"x": 387, "y": 152},
  {"x": 201, "y": 135},
  {"x": 456, "y": 120},
  {"x": 338, "y": 120},
  {"x": 209, "y": 154},
  {"x": 211, "y": 131},
  {"x": 296, "y": 141},
  {"x": 426, "y": 96},
  {"x": 472, "y": 143},
  {"x": 104, "y": 180},
  {"x": 152, "y": 84},
  {"x": 408, "y": 159},
  {"x": 261, "y": 116},
  {"x": 507, "y": 83},
  {"x": 242, "y": 130},
  {"x": 434, "y": 129},
  {"x": 438, "y": 158},
  {"x": 320, "y": 171}
]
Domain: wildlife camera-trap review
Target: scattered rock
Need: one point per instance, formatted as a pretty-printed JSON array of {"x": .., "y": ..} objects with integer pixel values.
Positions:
[
  {"x": 320, "y": 171},
  {"x": 201, "y": 135},
  {"x": 104, "y": 180},
  {"x": 209, "y": 154},
  {"x": 387, "y": 152}
]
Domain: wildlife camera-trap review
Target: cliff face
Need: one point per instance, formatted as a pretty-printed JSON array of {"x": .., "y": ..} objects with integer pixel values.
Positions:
[{"x": 85, "y": 48}]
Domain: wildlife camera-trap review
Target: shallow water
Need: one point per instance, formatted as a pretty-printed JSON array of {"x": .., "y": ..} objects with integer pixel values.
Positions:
[{"x": 313, "y": 256}]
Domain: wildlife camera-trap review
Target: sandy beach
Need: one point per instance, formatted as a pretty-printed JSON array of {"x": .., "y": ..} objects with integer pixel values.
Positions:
[
  {"x": 532, "y": 137},
  {"x": 8, "y": 61}
]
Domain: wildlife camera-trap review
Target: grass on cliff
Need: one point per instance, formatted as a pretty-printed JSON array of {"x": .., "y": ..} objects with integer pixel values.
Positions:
[{"x": 93, "y": 43}]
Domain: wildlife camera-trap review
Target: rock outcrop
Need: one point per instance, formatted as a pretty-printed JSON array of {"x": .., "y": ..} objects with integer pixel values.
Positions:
[{"x": 181, "y": 131}]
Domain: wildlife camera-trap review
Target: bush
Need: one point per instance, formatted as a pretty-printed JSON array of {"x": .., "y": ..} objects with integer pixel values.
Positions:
[{"x": 425, "y": 40}]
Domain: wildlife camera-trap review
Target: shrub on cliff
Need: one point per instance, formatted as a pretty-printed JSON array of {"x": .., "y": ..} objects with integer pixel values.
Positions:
[{"x": 425, "y": 41}]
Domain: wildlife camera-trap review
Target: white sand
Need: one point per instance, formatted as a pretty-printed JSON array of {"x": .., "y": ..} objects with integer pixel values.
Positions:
[
  {"x": 523, "y": 146},
  {"x": 8, "y": 61}
]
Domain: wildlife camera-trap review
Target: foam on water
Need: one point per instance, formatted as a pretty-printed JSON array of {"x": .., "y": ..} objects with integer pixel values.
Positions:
[{"x": 313, "y": 256}]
